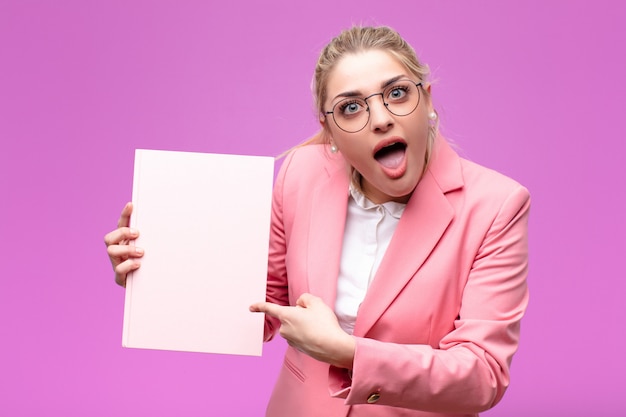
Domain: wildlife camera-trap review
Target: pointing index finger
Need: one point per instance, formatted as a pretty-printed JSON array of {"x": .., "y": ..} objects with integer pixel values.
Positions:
[{"x": 271, "y": 309}]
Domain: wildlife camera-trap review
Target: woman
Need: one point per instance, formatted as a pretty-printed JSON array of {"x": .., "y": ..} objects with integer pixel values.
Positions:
[{"x": 397, "y": 270}]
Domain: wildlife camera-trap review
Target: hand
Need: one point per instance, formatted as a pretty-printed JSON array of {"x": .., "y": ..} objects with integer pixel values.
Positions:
[
  {"x": 124, "y": 257},
  {"x": 312, "y": 327}
]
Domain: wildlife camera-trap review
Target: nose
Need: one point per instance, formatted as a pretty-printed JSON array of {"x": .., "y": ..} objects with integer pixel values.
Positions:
[{"x": 381, "y": 118}]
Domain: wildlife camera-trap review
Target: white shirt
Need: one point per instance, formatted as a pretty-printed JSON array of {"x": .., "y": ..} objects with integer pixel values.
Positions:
[{"x": 369, "y": 228}]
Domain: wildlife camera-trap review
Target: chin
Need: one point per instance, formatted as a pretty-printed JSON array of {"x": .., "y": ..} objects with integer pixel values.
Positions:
[{"x": 402, "y": 195}]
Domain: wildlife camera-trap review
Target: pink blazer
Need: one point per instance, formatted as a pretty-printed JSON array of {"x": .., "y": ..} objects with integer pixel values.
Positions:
[{"x": 440, "y": 322}]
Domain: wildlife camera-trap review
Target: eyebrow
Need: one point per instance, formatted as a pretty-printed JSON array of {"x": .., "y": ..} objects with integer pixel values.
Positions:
[{"x": 357, "y": 93}]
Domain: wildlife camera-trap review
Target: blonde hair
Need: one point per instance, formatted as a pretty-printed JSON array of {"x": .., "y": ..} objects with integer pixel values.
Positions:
[{"x": 359, "y": 39}]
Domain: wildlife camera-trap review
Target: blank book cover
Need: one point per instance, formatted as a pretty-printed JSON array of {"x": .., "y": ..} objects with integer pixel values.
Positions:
[{"x": 204, "y": 223}]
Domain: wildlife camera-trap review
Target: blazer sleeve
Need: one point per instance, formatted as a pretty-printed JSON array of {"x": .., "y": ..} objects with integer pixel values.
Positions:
[
  {"x": 469, "y": 371},
  {"x": 277, "y": 289}
]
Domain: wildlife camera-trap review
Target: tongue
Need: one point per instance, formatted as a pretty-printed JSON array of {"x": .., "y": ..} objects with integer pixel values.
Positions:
[{"x": 391, "y": 158}]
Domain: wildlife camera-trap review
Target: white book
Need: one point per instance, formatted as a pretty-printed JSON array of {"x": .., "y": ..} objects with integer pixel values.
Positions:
[{"x": 204, "y": 222}]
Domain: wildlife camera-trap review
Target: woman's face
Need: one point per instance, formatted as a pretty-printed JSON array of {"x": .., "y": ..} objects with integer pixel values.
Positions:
[{"x": 389, "y": 151}]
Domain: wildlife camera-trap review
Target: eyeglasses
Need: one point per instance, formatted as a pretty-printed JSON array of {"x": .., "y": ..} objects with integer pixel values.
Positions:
[{"x": 400, "y": 98}]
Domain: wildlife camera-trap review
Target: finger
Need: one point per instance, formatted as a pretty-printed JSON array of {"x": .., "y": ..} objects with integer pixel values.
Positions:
[
  {"x": 306, "y": 300},
  {"x": 271, "y": 309},
  {"x": 124, "y": 220},
  {"x": 124, "y": 268},
  {"x": 124, "y": 251},
  {"x": 120, "y": 280},
  {"x": 119, "y": 235}
]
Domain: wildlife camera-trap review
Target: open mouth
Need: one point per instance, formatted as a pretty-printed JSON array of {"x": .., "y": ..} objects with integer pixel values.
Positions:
[{"x": 392, "y": 155}]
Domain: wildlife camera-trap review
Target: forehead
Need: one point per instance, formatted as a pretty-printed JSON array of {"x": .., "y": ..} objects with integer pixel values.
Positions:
[{"x": 363, "y": 72}]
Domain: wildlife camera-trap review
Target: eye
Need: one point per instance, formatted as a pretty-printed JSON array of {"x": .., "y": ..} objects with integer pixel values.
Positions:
[
  {"x": 351, "y": 107},
  {"x": 397, "y": 92}
]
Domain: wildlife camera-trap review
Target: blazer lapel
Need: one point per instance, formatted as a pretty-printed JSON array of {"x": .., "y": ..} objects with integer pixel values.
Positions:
[
  {"x": 425, "y": 219},
  {"x": 326, "y": 227}
]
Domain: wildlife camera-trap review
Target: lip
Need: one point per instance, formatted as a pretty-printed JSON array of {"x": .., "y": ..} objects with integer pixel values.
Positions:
[
  {"x": 387, "y": 142},
  {"x": 394, "y": 173}
]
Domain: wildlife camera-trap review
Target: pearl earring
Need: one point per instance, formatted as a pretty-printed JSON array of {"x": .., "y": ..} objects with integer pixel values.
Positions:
[
  {"x": 333, "y": 148},
  {"x": 432, "y": 115}
]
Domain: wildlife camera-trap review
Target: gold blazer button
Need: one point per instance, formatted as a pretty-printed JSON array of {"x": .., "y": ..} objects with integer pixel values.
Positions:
[{"x": 374, "y": 397}]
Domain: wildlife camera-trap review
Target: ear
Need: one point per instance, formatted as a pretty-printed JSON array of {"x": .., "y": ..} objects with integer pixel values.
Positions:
[
  {"x": 427, "y": 87},
  {"x": 325, "y": 129}
]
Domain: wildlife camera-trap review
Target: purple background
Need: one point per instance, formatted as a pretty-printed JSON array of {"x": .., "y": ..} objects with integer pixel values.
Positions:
[{"x": 533, "y": 89}]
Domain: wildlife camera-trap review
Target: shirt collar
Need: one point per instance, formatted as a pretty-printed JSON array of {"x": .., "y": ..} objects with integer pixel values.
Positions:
[{"x": 394, "y": 208}]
